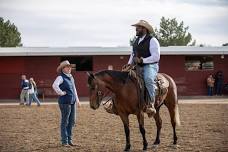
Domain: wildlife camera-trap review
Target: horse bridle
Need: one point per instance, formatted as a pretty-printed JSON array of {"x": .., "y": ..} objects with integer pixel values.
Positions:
[{"x": 100, "y": 96}]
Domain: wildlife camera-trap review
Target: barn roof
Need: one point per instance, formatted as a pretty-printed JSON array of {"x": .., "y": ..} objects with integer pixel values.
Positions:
[{"x": 63, "y": 51}]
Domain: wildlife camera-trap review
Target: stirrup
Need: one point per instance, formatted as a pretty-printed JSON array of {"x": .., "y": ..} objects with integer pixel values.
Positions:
[
  {"x": 151, "y": 111},
  {"x": 109, "y": 107}
]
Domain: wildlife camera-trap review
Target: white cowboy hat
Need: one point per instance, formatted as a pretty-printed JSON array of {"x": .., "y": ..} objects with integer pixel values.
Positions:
[
  {"x": 145, "y": 24},
  {"x": 62, "y": 65}
]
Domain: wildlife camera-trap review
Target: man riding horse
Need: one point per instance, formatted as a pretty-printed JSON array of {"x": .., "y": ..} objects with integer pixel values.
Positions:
[{"x": 146, "y": 53}]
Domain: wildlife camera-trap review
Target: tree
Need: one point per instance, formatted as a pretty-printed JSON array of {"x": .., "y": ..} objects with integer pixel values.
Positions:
[
  {"x": 225, "y": 44},
  {"x": 201, "y": 45},
  {"x": 193, "y": 43},
  {"x": 172, "y": 33},
  {"x": 132, "y": 41},
  {"x": 9, "y": 35}
]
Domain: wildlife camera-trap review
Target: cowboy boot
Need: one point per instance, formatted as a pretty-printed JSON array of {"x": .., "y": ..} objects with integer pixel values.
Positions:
[
  {"x": 110, "y": 107},
  {"x": 150, "y": 110}
]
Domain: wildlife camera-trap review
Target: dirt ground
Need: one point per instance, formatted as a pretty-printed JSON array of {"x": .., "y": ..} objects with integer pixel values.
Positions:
[{"x": 203, "y": 128}]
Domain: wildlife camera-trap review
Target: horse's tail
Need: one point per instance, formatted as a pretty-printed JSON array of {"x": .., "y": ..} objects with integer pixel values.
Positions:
[
  {"x": 173, "y": 102},
  {"x": 176, "y": 110},
  {"x": 177, "y": 116}
]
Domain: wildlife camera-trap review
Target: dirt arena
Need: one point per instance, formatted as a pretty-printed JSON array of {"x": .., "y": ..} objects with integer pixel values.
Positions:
[{"x": 204, "y": 127}]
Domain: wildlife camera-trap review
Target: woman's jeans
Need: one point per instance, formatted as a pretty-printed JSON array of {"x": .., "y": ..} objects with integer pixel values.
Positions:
[
  {"x": 33, "y": 97},
  {"x": 210, "y": 91},
  {"x": 68, "y": 116},
  {"x": 149, "y": 74}
]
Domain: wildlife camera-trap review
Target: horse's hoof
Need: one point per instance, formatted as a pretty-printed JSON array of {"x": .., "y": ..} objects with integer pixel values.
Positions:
[
  {"x": 157, "y": 142},
  {"x": 127, "y": 148},
  {"x": 145, "y": 147}
]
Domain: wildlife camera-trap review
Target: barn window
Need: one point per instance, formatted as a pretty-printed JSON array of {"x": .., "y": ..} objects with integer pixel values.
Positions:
[
  {"x": 197, "y": 63},
  {"x": 82, "y": 63}
]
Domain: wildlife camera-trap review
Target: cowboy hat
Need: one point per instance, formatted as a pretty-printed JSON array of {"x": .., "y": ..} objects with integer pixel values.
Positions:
[
  {"x": 62, "y": 65},
  {"x": 144, "y": 24}
]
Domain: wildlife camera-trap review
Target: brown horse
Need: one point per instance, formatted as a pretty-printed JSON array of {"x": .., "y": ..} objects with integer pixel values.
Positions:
[{"x": 127, "y": 101}]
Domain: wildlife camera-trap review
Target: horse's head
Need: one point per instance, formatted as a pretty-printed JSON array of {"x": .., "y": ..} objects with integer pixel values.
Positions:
[{"x": 95, "y": 91}]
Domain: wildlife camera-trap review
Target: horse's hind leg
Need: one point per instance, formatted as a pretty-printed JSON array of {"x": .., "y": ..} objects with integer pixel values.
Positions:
[
  {"x": 140, "y": 118},
  {"x": 175, "y": 120},
  {"x": 125, "y": 121},
  {"x": 158, "y": 121}
]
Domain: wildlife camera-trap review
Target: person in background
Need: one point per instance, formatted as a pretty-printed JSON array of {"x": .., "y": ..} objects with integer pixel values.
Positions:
[
  {"x": 210, "y": 85},
  {"x": 218, "y": 83},
  {"x": 24, "y": 96},
  {"x": 64, "y": 86},
  {"x": 33, "y": 92}
]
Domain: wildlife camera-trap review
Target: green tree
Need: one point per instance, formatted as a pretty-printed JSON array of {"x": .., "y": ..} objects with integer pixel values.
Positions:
[
  {"x": 225, "y": 44},
  {"x": 9, "y": 35},
  {"x": 193, "y": 43},
  {"x": 172, "y": 33},
  {"x": 132, "y": 41}
]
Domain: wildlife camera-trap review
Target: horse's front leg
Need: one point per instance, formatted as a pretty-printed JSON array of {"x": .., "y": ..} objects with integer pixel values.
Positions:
[
  {"x": 125, "y": 121},
  {"x": 140, "y": 118},
  {"x": 158, "y": 121}
]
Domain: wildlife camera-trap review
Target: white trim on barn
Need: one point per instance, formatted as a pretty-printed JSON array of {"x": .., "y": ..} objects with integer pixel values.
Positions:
[{"x": 63, "y": 51}]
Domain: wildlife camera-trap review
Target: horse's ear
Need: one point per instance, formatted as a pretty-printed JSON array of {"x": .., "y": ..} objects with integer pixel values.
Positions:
[{"x": 90, "y": 74}]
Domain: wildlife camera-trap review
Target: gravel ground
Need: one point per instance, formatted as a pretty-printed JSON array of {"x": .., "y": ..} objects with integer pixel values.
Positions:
[{"x": 204, "y": 127}]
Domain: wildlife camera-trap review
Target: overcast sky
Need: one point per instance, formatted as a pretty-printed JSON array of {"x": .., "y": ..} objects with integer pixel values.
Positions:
[{"x": 56, "y": 23}]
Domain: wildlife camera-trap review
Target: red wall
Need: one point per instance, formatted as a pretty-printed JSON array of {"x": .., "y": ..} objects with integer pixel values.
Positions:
[
  {"x": 188, "y": 82},
  {"x": 99, "y": 63},
  {"x": 43, "y": 70},
  {"x": 191, "y": 82},
  {"x": 102, "y": 62},
  {"x": 9, "y": 76}
]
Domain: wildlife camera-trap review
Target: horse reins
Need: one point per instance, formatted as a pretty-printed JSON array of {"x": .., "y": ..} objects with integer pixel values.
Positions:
[{"x": 103, "y": 95}]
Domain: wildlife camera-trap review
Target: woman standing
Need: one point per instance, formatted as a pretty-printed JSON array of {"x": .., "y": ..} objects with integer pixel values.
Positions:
[
  {"x": 64, "y": 86},
  {"x": 32, "y": 92},
  {"x": 210, "y": 85}
]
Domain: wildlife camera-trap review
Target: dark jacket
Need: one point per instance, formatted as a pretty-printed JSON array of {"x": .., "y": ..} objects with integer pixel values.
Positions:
[
  {"x": 67, "y": 86},
  {"x": 143, "y": 48},
  {"x": 25, "y": 84}
]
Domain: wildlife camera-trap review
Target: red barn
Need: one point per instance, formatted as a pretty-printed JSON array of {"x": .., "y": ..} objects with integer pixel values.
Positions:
[{"x": 189, "y": 66}]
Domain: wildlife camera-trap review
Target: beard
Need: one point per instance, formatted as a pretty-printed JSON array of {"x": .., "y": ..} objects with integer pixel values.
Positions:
[{"x": 139, "y": 33}]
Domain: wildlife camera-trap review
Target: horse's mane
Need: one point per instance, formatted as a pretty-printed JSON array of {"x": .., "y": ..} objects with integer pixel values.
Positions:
[
  {"x": 90, "y": 79},
  {"x": 118, "y": 76}
]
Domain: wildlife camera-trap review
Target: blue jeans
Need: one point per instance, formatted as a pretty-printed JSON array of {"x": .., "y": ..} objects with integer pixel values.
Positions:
[
  {"x": 150, "y": 72},
  {"x": 210, "y": 91},
  {"x": 219, "y": 88},
  {"x": 33, "y": 97},
  {"x": 68, "y": 116}
]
